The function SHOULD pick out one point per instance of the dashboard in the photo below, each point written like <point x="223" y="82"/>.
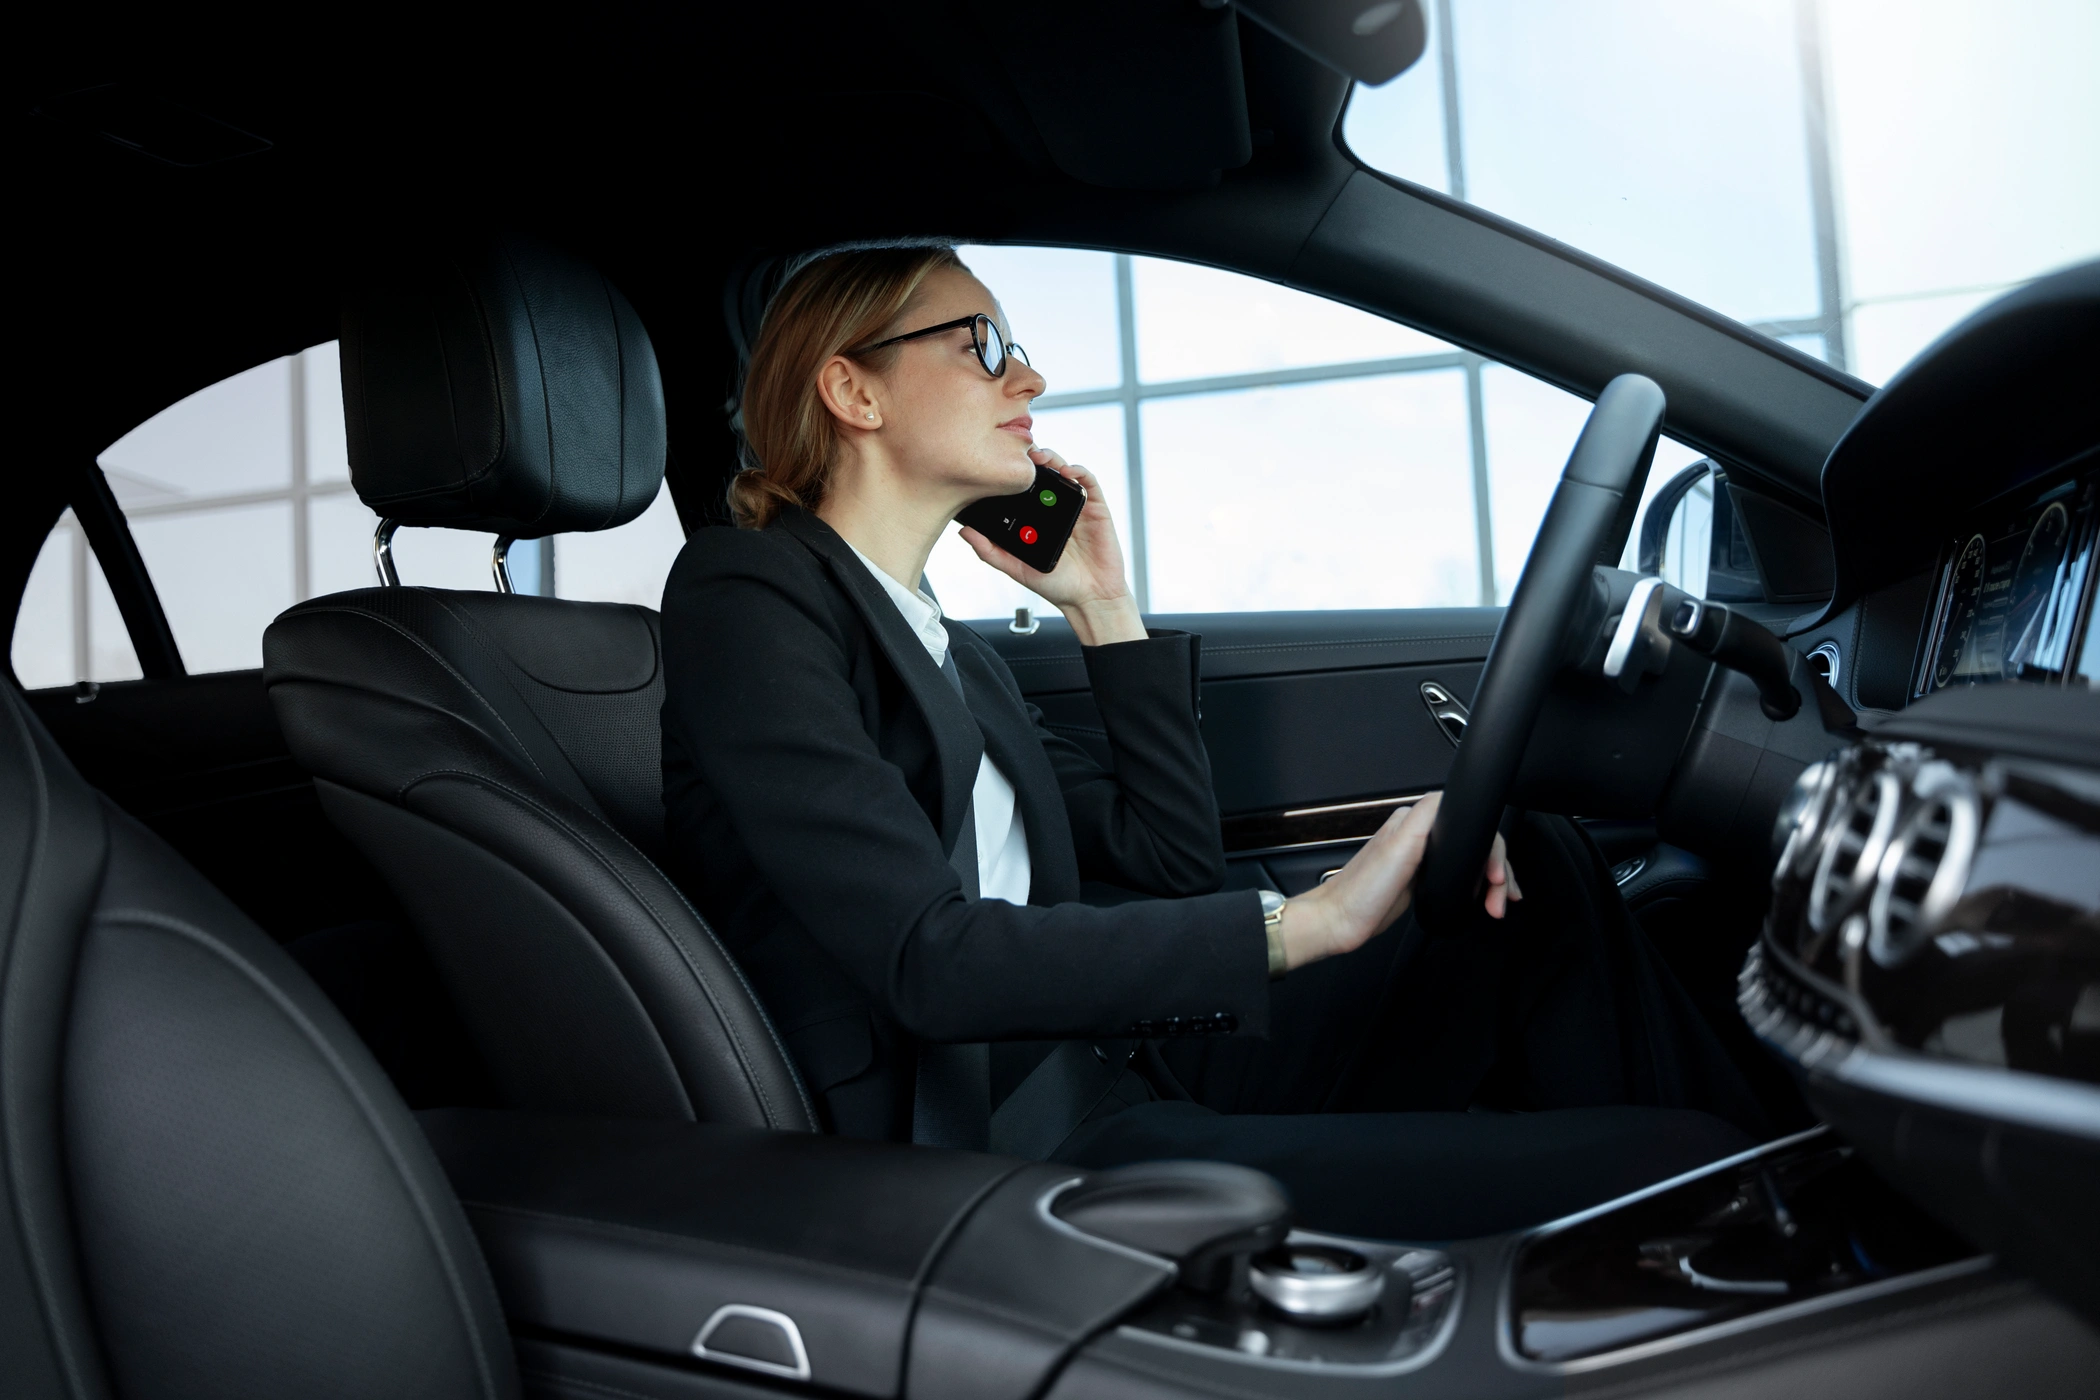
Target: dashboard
<point x="1963" y="507"/>
<point x="2014" y="592"/>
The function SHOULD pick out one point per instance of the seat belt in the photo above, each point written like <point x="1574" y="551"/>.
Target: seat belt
<point x="951" y="1104"/>
<point x="952" y="1091"/>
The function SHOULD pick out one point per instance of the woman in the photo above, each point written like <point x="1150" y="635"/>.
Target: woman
<point x="892" y="843"/>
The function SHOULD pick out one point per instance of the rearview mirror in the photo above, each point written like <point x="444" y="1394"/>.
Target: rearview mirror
<point x="1372" y="41"/>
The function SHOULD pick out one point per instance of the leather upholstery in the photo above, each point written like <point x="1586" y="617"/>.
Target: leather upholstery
<point x="506" y="388"/>
<point x="498" y="757"/>
<point x="212" y="1188"/>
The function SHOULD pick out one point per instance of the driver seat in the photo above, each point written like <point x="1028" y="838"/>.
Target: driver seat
<point x="497" y="756"/>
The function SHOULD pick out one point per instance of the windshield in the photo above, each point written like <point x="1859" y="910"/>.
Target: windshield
<point x="1853" y="176"/>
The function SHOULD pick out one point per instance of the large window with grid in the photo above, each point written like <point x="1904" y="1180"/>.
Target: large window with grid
<point x="1263" y="449"/>
<point x="1853" y="176"/>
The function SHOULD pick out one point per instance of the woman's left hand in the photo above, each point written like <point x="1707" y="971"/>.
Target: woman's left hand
<point x="1088" y="585"/>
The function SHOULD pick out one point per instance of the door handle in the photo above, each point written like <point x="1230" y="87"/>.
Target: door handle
<point x="1450" y="716"/>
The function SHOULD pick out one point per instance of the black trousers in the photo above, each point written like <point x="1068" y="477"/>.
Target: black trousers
<point x="1480" y="1080"/>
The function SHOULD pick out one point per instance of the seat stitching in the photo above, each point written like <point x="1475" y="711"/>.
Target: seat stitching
<point x="285" y="1007"/>
<point x="728" y="1025"/>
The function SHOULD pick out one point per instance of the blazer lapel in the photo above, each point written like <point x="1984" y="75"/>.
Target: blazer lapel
<point x="956" y="736"/>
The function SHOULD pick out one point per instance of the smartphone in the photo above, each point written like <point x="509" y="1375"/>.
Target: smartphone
<point x="1035" y="525"/>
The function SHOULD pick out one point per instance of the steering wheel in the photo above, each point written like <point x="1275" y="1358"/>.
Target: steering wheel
<point x="1591" y="511"/>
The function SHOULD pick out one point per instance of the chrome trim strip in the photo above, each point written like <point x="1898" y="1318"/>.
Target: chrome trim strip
<point x="1407" y="800"/>
<point x="1985" y="1092"/>
<point x="1993" y="1094"/>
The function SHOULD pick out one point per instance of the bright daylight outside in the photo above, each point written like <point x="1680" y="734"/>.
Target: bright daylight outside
<point x="1850" y="176"/>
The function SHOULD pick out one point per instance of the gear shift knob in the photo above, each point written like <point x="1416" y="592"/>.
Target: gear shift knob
<point x="1201" y="1215"/>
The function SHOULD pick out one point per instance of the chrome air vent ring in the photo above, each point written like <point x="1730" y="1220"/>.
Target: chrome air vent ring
<point x="1926" y="864"/>
<point x="1862" y="821"/>
<point x="1804" y="817"/>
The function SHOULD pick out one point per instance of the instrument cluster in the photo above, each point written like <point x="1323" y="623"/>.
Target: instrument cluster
<point x="2014" y="599"/>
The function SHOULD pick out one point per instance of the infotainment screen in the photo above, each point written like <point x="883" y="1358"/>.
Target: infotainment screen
<point x="2012" y="595"/>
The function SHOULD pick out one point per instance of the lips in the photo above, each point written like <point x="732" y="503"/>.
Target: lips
<point x="1020" y="426"/>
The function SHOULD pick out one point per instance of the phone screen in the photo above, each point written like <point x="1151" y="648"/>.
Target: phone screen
<point x="1033" y="525"/>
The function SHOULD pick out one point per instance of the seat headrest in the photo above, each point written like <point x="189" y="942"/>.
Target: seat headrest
<point x="505" y="387"/>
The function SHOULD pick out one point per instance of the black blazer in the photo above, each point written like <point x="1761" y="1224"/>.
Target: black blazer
<point x="817" y="766"/>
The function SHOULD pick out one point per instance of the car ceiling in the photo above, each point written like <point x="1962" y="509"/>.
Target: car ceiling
<point x="687" y="149"/>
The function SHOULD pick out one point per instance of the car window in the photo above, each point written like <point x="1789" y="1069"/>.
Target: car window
<point x="240" y="501"/>
<point x="1853" y="176"/>
<point x="1264" y="449"/>
<point x="69" y="628"/>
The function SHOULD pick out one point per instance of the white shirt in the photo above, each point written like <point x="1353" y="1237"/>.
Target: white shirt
<point x="1003" y="871"/>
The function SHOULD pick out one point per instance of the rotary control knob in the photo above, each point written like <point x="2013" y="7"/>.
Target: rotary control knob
<point x="1316" y="1283"/>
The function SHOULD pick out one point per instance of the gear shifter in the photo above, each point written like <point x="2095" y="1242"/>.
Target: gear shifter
<point x="1205" y="1216"/>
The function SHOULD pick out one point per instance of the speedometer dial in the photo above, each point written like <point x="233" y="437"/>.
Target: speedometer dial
<point x="1964" y="600"/>
<point x="2034" y="586"/>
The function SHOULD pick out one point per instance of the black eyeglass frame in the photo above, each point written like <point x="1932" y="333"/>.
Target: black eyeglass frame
<point x="978" y="342"/>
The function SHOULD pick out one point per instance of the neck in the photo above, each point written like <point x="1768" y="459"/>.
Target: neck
<point x="887" y="516"/>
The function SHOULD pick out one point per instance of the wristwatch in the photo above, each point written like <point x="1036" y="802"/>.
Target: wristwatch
<point x="1272" y="924"/>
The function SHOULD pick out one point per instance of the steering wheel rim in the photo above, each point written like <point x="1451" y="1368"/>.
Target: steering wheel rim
<point x="1592" y="507"/>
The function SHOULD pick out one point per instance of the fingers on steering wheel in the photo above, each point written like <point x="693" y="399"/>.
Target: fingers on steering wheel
<point x="1498" y="890"/>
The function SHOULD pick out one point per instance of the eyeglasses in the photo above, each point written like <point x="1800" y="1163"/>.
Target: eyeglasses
<point x="991" y="347"/>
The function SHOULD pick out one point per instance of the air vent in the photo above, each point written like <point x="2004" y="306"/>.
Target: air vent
<point x="1926" y="865"/>
<point x="1803" y="816"/>
<point x="1853" y="848"/>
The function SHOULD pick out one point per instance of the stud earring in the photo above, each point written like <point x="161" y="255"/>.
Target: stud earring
<point x="871" y="415"/>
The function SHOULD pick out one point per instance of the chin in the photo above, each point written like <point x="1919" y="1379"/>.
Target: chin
<point x="1018" y="478"/>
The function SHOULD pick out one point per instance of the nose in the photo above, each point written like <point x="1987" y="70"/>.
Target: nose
<point x="1025" y="381"/>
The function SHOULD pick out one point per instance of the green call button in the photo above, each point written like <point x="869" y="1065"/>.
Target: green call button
<point x="1047" y="497"/>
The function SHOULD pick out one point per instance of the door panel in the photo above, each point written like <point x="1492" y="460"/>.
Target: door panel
<point x="199" y="759"/>
<point x="1301" y="711"/>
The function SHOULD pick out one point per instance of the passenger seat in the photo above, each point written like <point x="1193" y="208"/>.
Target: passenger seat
<point x="497" y="756"/>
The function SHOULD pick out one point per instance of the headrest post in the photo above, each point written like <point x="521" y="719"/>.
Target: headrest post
<point x="499" y="563"/>
<point x="383" y="553"/>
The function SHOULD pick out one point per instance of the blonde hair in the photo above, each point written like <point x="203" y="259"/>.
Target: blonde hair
<point x="835" y="302"/>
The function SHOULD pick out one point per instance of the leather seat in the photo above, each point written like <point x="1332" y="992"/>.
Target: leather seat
<point x="497" y="756"/>
<point x="211" y="1188"/>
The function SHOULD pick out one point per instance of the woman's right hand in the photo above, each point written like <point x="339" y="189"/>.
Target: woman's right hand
<point x="1365" y="896"/>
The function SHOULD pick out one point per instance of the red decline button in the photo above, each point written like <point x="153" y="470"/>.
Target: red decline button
<point x="1028" y="534"/>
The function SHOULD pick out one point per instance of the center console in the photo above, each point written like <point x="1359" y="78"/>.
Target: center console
<point x="643" y="1259"/>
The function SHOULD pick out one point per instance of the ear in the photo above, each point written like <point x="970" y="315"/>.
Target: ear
<point x="848" y="393"/>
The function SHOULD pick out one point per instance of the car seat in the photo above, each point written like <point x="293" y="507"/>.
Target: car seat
<point x="495" y="755"/>
<point x="211" y="1187"/>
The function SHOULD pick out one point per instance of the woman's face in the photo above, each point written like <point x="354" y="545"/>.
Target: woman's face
<point x="943" y="416"/>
